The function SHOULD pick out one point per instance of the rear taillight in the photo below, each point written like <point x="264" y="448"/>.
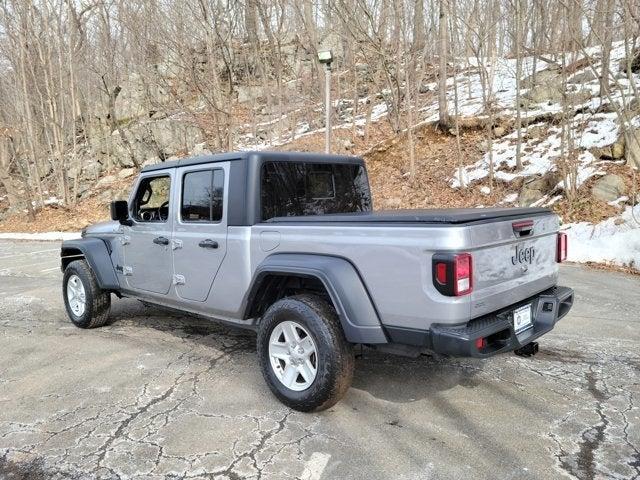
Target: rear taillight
<point x="462" y="274"/>
<point x="453" y="273"/>
<point x="562" y="246"/>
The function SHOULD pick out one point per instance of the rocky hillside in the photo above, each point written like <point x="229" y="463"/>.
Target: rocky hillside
<point x="579" y="150"/>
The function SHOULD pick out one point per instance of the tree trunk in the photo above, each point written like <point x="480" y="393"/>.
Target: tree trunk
<point x="442" y="76"/>
<point x="251" y="22"/>
<point x="419" y="31"/>
<point x="519" y="39"/>
<point x="606" y="48"/>
<point x="5" y="173"/>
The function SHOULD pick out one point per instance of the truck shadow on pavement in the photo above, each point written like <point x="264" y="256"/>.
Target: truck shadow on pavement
<point x="384" y="376"/>
<point x="403" y="380"/>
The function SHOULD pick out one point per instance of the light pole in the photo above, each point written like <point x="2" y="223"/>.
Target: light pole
<point x="326" y="57"/>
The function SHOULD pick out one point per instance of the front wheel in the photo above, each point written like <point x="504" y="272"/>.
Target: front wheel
<point x="305" y="359"/>
<point x="86" y="303"/>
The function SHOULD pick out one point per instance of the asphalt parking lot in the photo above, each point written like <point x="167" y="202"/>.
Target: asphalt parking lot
<point x="161" y="395"/>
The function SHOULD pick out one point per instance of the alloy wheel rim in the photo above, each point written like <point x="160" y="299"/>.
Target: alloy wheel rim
<point x="293" y="355"/>
<point x="76" y="296"/>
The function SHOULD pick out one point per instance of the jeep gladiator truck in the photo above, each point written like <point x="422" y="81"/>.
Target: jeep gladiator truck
<point x="288" y="244"/>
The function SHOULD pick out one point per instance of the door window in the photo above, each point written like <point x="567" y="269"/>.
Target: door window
<point x="202" y="196"/>
<point x="151" y="203"/>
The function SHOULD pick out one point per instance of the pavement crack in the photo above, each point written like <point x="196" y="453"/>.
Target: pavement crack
<point x="250" y="454"/>
<point x="102" y="452"/>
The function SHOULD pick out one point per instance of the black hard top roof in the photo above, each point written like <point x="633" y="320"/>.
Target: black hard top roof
<point x="261" y="155"/>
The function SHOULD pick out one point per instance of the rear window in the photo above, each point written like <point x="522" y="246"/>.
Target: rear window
<point x="294" y="189"/>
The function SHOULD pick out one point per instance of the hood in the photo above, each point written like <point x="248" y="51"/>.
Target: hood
<point x="110" y="227"/>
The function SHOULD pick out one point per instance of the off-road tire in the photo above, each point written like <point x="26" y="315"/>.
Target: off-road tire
<point x="98" y="302"/>
<point x="335" y="357"/>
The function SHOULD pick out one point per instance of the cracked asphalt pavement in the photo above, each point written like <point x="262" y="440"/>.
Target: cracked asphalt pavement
<point x="158" y="394"/>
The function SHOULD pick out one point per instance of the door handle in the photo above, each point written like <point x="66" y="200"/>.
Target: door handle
<point x="161" y="241"/>
<point x="208" y="243"/>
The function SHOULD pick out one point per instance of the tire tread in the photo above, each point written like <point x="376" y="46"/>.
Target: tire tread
<point x="98" y="300"/>
<point x="334" y="381"/>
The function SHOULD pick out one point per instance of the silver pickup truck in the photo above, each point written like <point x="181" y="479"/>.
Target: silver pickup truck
<point x="288" y="244"/>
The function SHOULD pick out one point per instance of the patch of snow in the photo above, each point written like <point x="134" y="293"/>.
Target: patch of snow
<point x="540" y="202"/>
<point x="485" y="190"/>
<point x="44" y="236"/>
<point x="615" y="240"/>
<point x="512" y="197"/>
<point x="52" y="201"/>
<point x="539" y="155"/>
<point x="553" y="200"/>
<point x="596" y="130"/>
<point x="618" y="201"/>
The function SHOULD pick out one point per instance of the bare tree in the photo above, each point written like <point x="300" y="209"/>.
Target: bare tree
<point x="442" y="75"/>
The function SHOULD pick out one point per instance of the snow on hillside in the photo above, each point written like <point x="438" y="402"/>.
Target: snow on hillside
<point x="615" y="241"/>
<point x="539" y="155"/>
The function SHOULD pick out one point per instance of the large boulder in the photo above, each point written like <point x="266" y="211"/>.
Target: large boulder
<point x="615" y="151"/>
<point x="126" y="173"/>
<point x="609" y="188"/>
<point x="160" y="139"/>
<point x="550" y="77"/>
<point x="585" y="76"/>
<point x="635" y="62"/>
<point x="138" y="98"/>
<point x="249" y="93"/>
<point x="528" y="196"/>
<point x="174" y="136"/>
<point x="547" y="87"/>
<point x="542" y="94"/>
<point x="535" y="188"/>
<point x="110" y="194"/>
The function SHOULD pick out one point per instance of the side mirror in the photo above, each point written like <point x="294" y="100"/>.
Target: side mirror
<point x="120" y="212"/>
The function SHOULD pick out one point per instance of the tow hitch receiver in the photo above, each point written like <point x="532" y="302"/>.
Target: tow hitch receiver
<point x="529" y="350"/>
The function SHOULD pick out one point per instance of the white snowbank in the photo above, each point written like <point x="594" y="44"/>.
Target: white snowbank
<point x="45" y="236"/>
<point x="615" y="240"/>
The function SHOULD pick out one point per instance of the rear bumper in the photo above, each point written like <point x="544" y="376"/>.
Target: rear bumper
<point x="497" y="328"/>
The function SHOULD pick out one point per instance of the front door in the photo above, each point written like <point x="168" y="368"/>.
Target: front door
<point x="200" y="229"/>
<point x="147" y="243"/>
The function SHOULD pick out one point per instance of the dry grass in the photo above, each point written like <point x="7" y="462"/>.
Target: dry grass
<point x="59" y="219"/>
<point x="67" y="219"/>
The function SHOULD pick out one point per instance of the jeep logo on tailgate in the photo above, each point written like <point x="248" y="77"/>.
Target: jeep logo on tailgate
<point x="523" y="255"/>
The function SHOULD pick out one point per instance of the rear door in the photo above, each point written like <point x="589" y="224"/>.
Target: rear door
<point x="200" y="229"/>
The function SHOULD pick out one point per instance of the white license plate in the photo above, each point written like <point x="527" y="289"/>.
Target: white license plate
<point x="522" y="318"/>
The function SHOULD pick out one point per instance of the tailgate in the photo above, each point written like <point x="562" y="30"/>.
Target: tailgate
<point x="512" y="260"/>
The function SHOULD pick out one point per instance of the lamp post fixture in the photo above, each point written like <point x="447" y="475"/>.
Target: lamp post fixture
<point x="325" y="57"/>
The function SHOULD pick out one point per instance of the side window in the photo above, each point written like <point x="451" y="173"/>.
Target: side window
<point x="202" y="196"/>
<point x="151" y="203"/>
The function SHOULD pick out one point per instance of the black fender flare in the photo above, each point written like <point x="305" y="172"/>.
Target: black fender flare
<point x="350" y="297"/>
<point x="97" y="254"/>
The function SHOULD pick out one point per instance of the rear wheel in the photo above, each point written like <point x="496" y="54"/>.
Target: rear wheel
<point x="86" y="303"/>
<point x="305" y="359"/>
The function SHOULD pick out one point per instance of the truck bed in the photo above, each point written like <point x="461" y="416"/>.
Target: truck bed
<point x="447" y="216"/>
